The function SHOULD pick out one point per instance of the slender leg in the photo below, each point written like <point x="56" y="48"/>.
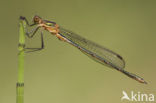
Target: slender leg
<point x="23" y="18"/>
<point x="36" y="49"/>
<point x="32" y="32"/>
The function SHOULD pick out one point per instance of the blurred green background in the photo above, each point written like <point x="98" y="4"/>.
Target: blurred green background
<point x="62" y="74"/>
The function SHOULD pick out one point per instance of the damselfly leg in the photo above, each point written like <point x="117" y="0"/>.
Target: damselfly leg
<point x="27" y="50"/>
<point x="31" y="34"/>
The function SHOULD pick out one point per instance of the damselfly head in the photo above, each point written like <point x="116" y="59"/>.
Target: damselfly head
<point x="37" y="19"/>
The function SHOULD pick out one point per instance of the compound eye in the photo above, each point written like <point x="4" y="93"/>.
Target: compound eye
<point x="36" y="19"/>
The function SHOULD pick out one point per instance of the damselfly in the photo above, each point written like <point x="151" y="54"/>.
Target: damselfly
<point x="91" y="49"/>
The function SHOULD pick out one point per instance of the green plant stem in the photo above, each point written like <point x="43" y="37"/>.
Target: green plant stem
<point x="20" y="81"/>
